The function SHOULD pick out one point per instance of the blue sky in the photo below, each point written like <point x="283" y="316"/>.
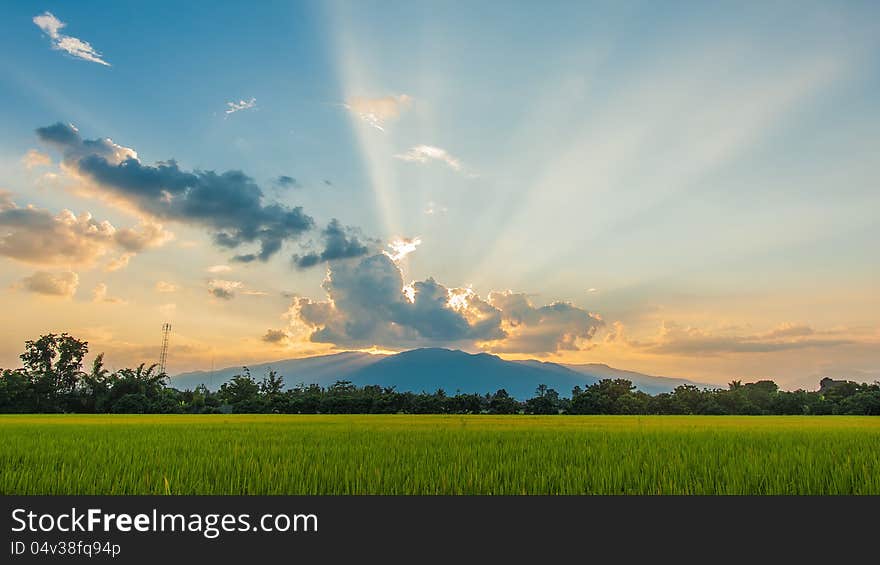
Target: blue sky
<point x="695" y="182"/>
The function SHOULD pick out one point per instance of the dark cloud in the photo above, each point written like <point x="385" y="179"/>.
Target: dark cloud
<point x="339" y="243"/>
<point x="228" y="203"/>
<point x="368" y="306"/>
<point x="223" y="289"/>
<point x="59" y="134"/>
<point x="534" y="329"/>
<point x="275" y="336"/>
<point x="222" y="293"/>
<point x="285" y="181"/>
<point x="246" y="258"/>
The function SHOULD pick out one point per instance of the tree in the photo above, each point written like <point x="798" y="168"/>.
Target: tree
<point x="54" y="365"/>
<point x="16" y="392"/>
<point x="242" y="393"/>
<point x="603" y="397"/>
<point x="95" y="386"/>
<point x="502" y="403"/>
<point x="272" y="390"/>
<point x="546" y="401"/>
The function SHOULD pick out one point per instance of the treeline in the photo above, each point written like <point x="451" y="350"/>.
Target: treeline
<point x="52" y="380"/>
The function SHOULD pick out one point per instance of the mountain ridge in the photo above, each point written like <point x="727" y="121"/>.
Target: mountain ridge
<point x="429" y="369"/>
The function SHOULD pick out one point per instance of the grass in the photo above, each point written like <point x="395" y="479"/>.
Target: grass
<point x="398" y="454"/>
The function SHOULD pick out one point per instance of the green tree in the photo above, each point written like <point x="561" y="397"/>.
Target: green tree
<point x="545" y="401"/>
<point x="502" y="403"/>
<point x="242" y="393"/>
<point x="54" y="365"/>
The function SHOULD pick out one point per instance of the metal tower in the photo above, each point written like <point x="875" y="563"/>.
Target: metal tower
<point x="163" y="356"/>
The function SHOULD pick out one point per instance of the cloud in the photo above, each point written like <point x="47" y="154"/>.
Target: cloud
<point x="432" y="208"/>
<point x="375" y="112"/>
<point x="252" y="292"/>
<point x="219" y="269"/>
<point x="339" y="243"/>
<point x="556" y="327"/>
<point x="34" y="235"/>
<point x="229" y="204"/>
<point x="119" y="262"/>
<point x="34" y="158"/>
<point x="427" y="153"/>
<point x="401" y="247"/>
<point x="223" y="289"/>
<point x="99" y="294"/>
<point x="233" y="107"/>
<point x="675" y="339"/>
<point x="227" y="290"/>
<point x="78" y="48"/>
<point x="788" y="330"/>
<point x="279" y="337"/>
<point x="62" y="284"/>
<point x="285" y="181"/>
<point x="368" y="304"/>
<point x="165" y="287"/>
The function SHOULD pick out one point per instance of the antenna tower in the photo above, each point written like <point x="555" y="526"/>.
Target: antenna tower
<point x="163" y="356"/>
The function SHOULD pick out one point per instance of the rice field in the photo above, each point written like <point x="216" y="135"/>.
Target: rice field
<point x="279" y="454"/>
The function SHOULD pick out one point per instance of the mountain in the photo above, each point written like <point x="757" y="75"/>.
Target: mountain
<point x="428" y="369"/>
<point x="323" y="370"/>
<point x="646" y="383"/>
<point x="456" y="371"/>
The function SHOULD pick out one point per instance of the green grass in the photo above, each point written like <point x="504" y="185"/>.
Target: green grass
<point x="439" y="455"/>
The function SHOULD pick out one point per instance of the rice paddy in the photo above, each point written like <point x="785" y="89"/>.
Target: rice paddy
<point x="280" y="454"/>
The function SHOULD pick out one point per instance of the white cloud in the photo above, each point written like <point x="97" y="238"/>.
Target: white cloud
<point x="691" y="341"/>
<point x="251" y="292"/>
<point x="78" y="48"/>
<point x="34" y="235"/>
<point x="233" y="107"/>
<point x="63" y="284"/>
<point x="164" y="286"/>
<point x="433" y="208"/>
<point x="219" y="269"/>
<point x="427" y="153"/>
<point x="401" y="247"/>
<point x="375" y="112"/>
<point x="34" y="158"/>
<point x="223" y="289"/>
<point x="119" y="262"/>
<point x="99" y="294"/>
<point x="226" y="289"/>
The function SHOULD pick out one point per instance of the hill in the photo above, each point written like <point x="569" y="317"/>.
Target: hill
<point x="323" y="370"/>
<point x="456" y="371"/>
<point x="428" y="369"/>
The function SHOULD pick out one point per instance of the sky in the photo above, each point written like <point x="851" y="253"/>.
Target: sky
<point x="686" y="189"/>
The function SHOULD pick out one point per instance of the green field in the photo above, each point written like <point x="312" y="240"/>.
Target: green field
<point x="398" y="454"/>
